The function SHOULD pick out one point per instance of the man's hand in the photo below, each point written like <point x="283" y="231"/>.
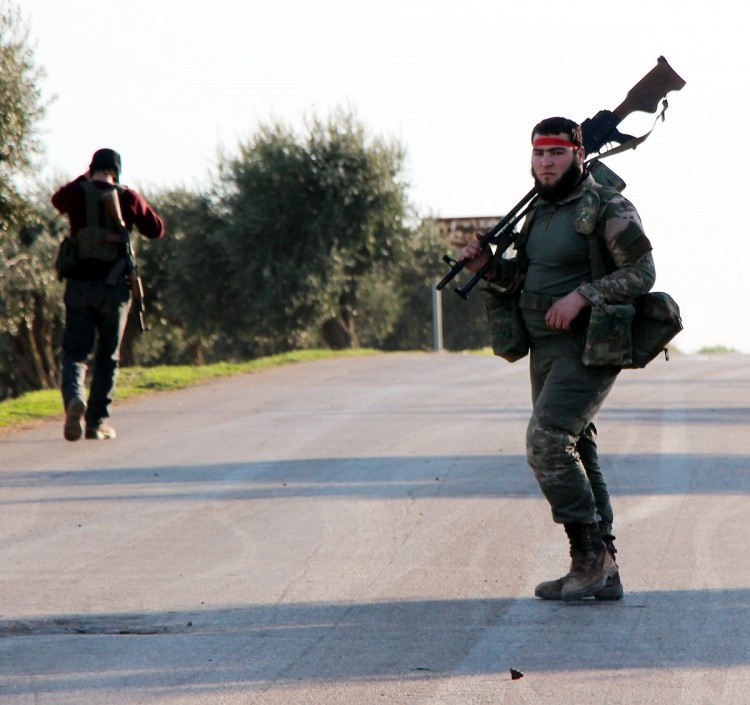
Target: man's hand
<point x="565" y="310"/>
<point x="474" y="255"/>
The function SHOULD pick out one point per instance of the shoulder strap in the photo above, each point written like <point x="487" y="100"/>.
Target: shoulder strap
<point x="598" y="270"/>
<point x="589" y="222"/>
<point x="93" y="212"/>
<point x="520" y="244"/>
<point x="96" y="215"/>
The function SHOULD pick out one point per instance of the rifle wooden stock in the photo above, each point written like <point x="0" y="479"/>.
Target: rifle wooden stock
<point x="644" y="96"/>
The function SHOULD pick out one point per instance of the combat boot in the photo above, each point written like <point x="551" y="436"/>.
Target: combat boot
<point x="612" y="590"/>
<point x="552" y="589"/>
<point x="592" y="563"/>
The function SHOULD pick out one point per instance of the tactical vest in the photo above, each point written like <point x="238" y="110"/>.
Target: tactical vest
<point x="92" y="239"/>
<point x="619" y="335"/>
<point x="589" y="221"/>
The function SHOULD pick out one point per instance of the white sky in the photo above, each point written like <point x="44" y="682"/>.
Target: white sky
<point x="168" y="83"/>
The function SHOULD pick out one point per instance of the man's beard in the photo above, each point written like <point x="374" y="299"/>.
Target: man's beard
<point x="562" y="187"/>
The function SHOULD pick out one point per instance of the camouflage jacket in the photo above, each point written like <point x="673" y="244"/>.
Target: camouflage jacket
<point x="625" y="267"/>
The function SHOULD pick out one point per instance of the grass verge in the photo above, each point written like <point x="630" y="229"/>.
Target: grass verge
<point x="137" y="381"/>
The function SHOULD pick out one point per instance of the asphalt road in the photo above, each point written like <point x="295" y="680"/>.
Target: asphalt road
<point x="366" y="530"/>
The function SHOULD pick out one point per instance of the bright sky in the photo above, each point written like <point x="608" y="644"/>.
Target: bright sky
<point x="460" y="84"/>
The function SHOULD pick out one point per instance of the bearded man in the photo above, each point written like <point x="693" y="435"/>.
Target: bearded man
<point x="554" y="275"/>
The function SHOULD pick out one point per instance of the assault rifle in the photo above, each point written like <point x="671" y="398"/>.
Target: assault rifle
<point x="597" y="132"/>
<point x="112" y="203"/>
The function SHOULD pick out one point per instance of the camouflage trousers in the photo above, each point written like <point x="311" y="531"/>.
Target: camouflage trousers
<point x="561" y="436"/>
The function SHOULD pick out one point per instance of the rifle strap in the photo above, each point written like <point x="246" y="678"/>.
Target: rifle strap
<point x="598" y="270"/>
<point x="635" y="141"/>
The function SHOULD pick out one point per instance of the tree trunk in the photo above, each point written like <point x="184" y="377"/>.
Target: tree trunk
<point x="337" y="335"/>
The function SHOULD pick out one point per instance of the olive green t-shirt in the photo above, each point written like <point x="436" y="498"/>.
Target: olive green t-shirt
<point x="558" y="260"/>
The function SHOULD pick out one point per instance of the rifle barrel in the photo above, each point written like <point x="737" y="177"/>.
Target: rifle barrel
<point x="491" y="236"/>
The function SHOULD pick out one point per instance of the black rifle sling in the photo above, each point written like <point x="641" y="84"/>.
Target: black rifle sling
<point x="635" y="141"/>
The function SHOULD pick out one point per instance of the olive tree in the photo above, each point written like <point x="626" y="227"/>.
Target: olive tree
<point x="30" y="310"/>
<point x="295" y="225"/>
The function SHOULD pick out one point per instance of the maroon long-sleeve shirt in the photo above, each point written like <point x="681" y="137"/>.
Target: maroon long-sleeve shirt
<point x="70" y="200"/>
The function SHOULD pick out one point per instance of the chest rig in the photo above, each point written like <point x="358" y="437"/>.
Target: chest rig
<point x="94" y="239"/>
<point x="588" y="220"/>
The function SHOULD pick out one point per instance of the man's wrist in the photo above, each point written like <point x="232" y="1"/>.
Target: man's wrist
<point x="591" y="294"/>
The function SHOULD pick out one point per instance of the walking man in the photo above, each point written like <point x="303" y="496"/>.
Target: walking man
<point x="97" y="292"/>
<point x="552" y="274"/>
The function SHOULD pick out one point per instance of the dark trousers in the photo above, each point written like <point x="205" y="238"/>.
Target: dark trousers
<point x="95" y="315"/>
<point x="561" y="436"/>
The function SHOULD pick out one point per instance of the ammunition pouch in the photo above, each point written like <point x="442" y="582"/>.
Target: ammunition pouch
<point x="630" y="336"/>
<point x="67" y="258"/>
<point x="93" y="244"/>
<point x="657" y="320"/>
<point x="508" y="335"/>
<point x="609" y="336"/>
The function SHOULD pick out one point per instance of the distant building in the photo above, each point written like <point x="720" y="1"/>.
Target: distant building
<point x="458" y="231"/>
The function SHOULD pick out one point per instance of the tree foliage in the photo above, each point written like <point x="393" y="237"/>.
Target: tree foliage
<point x="296" y="225"/>
<point x="305" y="241"/>
<point x="30" y="312"/>
<point x="302" y="240"/>
<point x="323" y="213"/>
<point x="21" y="108"/>
<point x="183" y="277"/>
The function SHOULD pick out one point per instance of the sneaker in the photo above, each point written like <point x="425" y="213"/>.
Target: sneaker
<point x="101" y="432"/>
<point x="73" y="429"/>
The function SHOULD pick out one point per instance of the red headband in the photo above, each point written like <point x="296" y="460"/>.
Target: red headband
<point x="553" y="142"/>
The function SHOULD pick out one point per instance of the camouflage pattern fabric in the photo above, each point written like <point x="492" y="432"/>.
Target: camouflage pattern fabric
<point x="508" y="335"/>
<point x="628" y="250"/>
<point x="609" y="336"/>
<point x="561" y="433"/>
<point x="657" y="321"/>
<point x="553" y="258"/>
